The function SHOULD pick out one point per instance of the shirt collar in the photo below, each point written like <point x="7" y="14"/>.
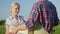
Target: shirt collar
<point x="12" y="17"/>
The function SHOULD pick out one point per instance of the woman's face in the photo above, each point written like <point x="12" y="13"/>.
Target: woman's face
<point x="15" y="9"/>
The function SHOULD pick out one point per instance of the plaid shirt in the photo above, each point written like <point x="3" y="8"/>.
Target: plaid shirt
<point x="45" y="13"/>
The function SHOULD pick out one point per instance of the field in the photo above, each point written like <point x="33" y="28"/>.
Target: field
<point x="2" y="29"/>
<point x="56" y="29"/>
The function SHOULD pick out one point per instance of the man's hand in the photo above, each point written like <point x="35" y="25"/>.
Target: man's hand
<point x="22" y="27"/>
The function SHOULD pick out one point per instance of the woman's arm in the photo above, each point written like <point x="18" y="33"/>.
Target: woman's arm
<point x="7" y="29"/>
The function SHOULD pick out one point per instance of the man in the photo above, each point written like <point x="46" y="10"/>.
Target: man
<point x="44" y="12"/>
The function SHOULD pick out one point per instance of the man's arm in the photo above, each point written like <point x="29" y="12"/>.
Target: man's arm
<point x="33" y="17"/>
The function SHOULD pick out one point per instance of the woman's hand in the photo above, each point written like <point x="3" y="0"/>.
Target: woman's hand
<point x="14" y="27"/>
<point x="15" y="23"/>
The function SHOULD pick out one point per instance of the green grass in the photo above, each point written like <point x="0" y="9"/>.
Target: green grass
<point x="2" y="29"/>
<point x="57" y="29"/>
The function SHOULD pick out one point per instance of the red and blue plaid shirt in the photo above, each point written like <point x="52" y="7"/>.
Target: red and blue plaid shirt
<point x="44" y="12"/>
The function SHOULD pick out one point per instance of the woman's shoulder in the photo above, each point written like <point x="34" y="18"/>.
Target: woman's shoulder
<point x="9" y="18"/>
<point x="8" y="21"/>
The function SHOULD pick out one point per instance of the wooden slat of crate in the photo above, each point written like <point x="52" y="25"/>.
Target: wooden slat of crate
<point x="22" y="32"/>
<point x="30" y="31"/>
<point x="41" y="31"/>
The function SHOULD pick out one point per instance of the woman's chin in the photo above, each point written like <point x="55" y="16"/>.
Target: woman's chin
<point x="16" y="13"/>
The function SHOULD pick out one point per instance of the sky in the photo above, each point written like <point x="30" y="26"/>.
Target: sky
<point x="25" y="9"/>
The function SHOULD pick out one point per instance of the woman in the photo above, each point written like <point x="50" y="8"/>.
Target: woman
<point x="14" y="22"/>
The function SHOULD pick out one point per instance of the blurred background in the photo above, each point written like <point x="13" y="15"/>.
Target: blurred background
<point x="25" y="9"/>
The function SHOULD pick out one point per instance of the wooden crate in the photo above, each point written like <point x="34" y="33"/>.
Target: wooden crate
<point x="25" y="32"/>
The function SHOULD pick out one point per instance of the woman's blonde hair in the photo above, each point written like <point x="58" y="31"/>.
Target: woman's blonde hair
<point x="13" y="4"/>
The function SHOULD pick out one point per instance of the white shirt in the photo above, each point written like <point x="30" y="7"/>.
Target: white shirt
<point x="10" y="19"/>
